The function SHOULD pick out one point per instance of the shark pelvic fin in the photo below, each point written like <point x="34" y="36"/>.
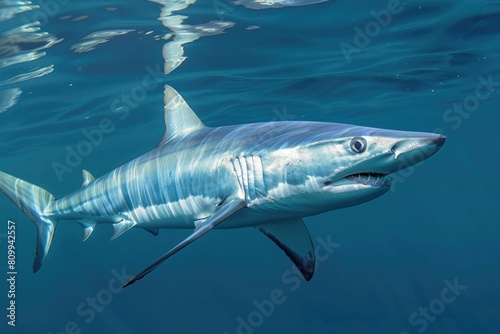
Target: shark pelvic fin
<point x="293" y="238"/>
<point x="122" y="227"/>
<point x="225" y="210"/>
<point x="88" y="228"/>
<point x="87" y="178"/>
<point x="179" y="117"/>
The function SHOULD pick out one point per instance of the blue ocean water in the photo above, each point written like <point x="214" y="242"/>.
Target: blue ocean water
<point x="423" y="258"/>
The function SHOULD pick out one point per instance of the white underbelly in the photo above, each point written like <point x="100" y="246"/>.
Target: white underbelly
<point x="177" y="214"/>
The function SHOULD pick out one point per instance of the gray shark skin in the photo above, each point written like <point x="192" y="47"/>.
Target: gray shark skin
<point x="262" y="175"/>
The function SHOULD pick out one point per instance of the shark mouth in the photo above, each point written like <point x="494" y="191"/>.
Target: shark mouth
<point x="370" y="179"/>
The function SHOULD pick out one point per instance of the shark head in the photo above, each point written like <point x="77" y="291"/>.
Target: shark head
<point x="303" y="168"/>
<point x="364" y="160"/>
<point x="331" y="166"/>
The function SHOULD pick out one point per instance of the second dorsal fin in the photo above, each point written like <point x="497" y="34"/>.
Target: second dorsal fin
<point x="179" y="117"/>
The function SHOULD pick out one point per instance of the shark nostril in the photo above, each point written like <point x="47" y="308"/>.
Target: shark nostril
<point x="394" y="150"/>
<point x="395" y="147"/>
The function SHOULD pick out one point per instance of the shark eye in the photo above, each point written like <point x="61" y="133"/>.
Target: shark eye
<point x="358" y="145"/>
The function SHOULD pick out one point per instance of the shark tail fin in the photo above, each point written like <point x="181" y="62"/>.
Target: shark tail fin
<point x="33" y="201"/>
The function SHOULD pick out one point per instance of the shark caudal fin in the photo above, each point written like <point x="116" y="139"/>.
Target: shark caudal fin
<point x="32" y="200"/>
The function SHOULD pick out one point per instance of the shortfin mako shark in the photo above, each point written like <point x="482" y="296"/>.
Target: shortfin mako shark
<point x="262" y="175"/>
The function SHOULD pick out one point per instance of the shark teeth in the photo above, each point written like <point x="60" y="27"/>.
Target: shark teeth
<point x="370" y="179"/>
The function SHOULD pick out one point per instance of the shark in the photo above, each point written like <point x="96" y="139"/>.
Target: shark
<point x="267" y="176"/>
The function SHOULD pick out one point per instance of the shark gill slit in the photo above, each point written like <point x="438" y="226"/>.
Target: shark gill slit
<point x="249" y="171"/>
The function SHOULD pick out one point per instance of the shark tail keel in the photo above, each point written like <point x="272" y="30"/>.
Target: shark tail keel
<point x="33" y="201"/>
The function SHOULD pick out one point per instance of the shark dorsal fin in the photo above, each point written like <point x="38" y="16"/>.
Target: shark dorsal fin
<point x="87" y="178"/>
<point x="179" y="117"/>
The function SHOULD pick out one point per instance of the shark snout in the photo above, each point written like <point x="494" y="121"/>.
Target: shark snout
<point x="413" y="150"/>
<point x="439" y="141"/>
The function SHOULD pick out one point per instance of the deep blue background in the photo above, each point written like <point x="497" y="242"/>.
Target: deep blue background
<point x="440" y="222"/>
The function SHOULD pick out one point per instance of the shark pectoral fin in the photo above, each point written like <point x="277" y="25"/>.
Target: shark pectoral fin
<point x="88" y="228"/>
<point x="87" y="178"/>
<point x="122" y="227"/>
<point x="293" y="237"/>
<point x="178" y="116"/>
<point x="153" y="231"/>
<point x="226" y="210"/>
